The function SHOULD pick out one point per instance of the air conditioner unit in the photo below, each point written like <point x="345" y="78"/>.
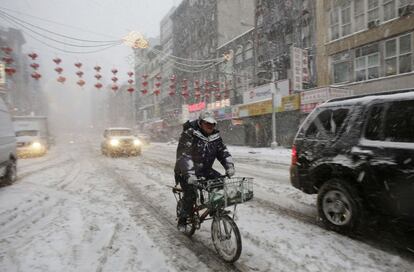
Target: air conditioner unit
<point x="405" y="10"/>
<point x="373" y="23"/>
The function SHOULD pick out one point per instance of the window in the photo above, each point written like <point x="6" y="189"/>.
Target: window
<point x="359" y="14"/>
<point x="373" y="10"/>
<point x="249" y="51"/>
<point x="399" y="122"/>
<point x="328" y="123"/>
<point x="341" y="67"/>
<point x="389" y="9"/>
<point x="346" y="19"/>
<point x="334" y="23"/>
<point x="373" y="128"/>
<point x="398" y="55"/>
<point x="367" y="62"/>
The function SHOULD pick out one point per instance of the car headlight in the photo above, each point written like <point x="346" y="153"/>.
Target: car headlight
<point x="114" y="142"/>
<point x="36" y="145"/>
<point x="137" y="142"/>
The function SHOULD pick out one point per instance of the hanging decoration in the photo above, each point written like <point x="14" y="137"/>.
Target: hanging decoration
<point x="184" y="87"/>
<point x="97" y="68"/>
<point x="98" y="76"/>
<point x="130" y="82"/>
<point x="61" y="79"/>
<point x="81" y="82"/>
<point x="197" y="92"/>
<point x="78" y="65"/>
<point x="35" y="66"/>
<point x="36" y="75"/>
<point x="79" y="73"/>
<point x="8" y="60"/>
<point x="57" y="61"/>
<point x="98" y="85"/>
<point x="157" y="84"/>
<point x="144" y="84"/>
<point x="114" y="71"/>
<point x="114" y="79"/>
<point x="59" y="70"/>
<point x="33" y="56"/>
<point x="172" y="85"/>
<point x="114" y="87"/>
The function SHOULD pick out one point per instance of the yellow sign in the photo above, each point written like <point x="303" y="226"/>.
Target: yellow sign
<point x="255" y="109"/>
<point x="290" y="102"/>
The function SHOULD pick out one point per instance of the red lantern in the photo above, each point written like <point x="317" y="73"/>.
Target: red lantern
<point x="114" y="71"/>
<point x="81" y="82"/>
<point x="145" y="83"/>
<point x="130" y="90"/>
<point x="144" y="91"/>
<point x="78" y="64"/>
<point x="158" y="84"/>
<point x="130" y="81"/>
<point x="34" y="66"/>
<point x="98" y="76"/>
<point x="57" y="60"/>
<point x="36" y="75"/>
<point x="6" y="49"/>
<point x="7" y="60"/>
<point x="10" y="71"/>
<point x="33" y="56"/>
<point x="61" y="79"/>
<point x="144" y="76"/>
<point x="114" y="79"/>
<point x="114" y="87"/>
<point x="157" y="92"/>
<point x="171" y="93"/>
<point x="98" y="85"/>
<point x="79" y="73"/>
<point x="97" y="68"/>
<point x="59" y="70"/>
<point x="130" y="74"/>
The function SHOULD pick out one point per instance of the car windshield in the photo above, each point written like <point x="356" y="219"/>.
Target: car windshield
<point x="27" y="133"/>
<point x="120" y="132"/>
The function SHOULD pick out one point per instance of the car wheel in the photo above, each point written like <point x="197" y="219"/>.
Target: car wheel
<point x="11" y="173"/>
<point x="339" y="206"/>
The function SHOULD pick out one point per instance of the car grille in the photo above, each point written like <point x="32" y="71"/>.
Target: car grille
<point x="20" y="144"/>
<point x="127" y="141"/>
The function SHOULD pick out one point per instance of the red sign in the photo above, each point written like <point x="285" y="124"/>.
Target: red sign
<point x="196" y="107"/>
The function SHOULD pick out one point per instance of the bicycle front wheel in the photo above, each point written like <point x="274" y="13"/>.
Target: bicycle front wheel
<point x="226" y="238"/>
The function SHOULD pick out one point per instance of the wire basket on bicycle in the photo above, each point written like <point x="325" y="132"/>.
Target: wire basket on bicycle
<point x="225" y="192"/>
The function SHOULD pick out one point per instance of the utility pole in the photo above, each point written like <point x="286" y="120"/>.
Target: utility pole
<point x="274" y="89"/>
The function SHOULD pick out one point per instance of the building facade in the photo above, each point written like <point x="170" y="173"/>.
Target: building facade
<point x="368" y="44"/>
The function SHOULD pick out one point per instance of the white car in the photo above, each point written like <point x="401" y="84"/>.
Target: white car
<point x="120" y="141"/>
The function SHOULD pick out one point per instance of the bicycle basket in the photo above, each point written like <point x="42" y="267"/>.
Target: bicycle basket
<point x="231" y="191"/>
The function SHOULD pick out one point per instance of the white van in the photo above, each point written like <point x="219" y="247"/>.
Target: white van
<point x="8" y="156"/>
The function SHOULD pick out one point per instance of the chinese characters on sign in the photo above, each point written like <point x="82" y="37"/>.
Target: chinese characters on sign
<point x="299" y="68"/>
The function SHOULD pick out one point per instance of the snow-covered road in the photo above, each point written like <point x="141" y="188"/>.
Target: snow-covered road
<point x="77" y="210"/>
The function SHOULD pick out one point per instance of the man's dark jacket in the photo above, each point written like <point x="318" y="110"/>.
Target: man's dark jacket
<point x="196" y="151"/>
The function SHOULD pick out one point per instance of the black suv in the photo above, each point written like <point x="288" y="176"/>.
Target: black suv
<point x="357" y="154"/>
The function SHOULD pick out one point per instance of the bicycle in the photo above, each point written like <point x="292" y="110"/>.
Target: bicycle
<point x="213" y="196"/>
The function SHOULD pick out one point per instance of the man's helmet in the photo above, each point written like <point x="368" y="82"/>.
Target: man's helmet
<point x="207" y="116"/>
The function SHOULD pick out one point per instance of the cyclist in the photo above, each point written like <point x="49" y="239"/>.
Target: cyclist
<point x="199" y="145"/>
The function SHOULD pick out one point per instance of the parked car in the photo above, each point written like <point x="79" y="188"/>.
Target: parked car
<point x="8" y="156"/>
<point x="357" y="154"/>
<point x="118" y="141"/>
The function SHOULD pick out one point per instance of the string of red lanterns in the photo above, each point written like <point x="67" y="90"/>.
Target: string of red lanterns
<point x="9" y="60"/>
<point x="35" y="66"/>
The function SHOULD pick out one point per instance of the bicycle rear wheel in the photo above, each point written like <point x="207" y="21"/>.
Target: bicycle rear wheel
<point x="226" y="238"/>
<point x="190" y="226"/>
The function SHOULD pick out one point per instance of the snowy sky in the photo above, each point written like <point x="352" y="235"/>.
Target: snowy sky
<point x="88" y="19"/>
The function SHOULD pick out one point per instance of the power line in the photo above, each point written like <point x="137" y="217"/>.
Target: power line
<point x="6" y="17"/>
<point x="57" y="23"/>
<point x="66" y="51"/>
<point x="49" y="31"/>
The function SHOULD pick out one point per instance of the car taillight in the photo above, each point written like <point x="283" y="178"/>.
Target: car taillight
<point x="294" y="155"/>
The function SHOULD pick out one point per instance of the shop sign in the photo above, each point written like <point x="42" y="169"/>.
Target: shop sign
<point x="290" y="102"/>
<point x="260" y="93"/>
<point x="260" y="108"/>
<point x="235" y="111"/>
<point x="311" y="98"/>
<point x="223" y="113"/>
<point x="197" y="107"/>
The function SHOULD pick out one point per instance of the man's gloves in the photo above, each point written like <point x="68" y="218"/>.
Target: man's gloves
<point x="230" y="171"/>
<point x="192" y="179"/>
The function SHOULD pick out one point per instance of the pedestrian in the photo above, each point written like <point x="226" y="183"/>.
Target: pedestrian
<point x="200" y="144"/>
